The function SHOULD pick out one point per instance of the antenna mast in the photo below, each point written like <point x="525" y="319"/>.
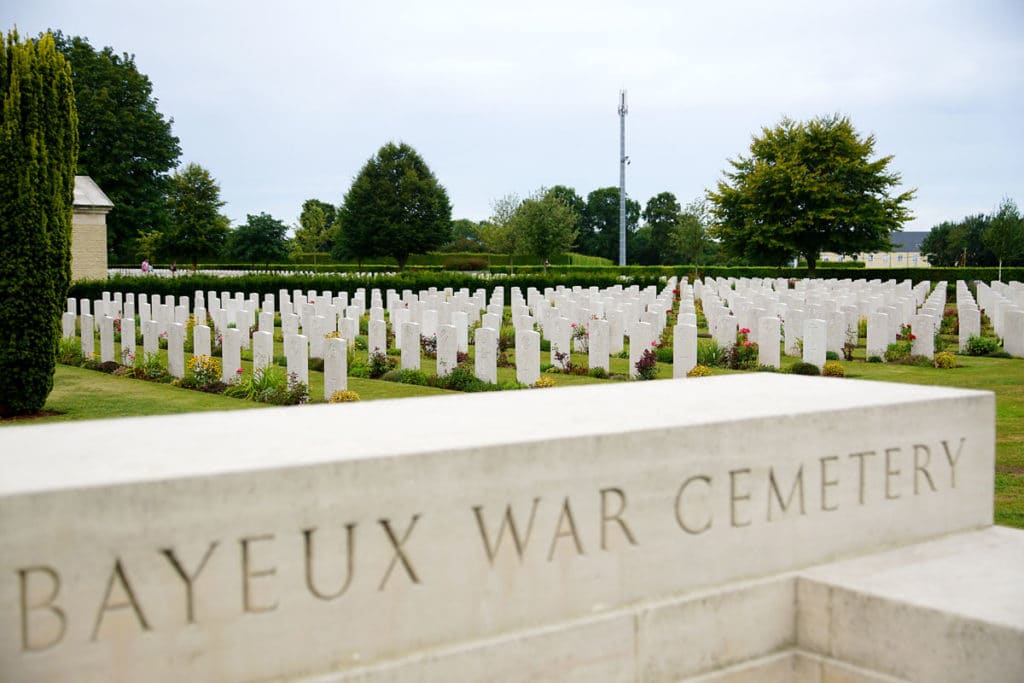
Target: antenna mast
<point x="623" y="160"/>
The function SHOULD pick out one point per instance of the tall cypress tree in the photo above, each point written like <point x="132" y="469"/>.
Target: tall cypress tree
<point x="38" y="153"/>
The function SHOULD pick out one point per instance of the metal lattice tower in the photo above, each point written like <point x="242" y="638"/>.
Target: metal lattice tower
<point x="623" y="160"/>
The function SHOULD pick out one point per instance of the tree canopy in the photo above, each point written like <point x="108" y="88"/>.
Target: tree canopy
<point x="959" y="243"/>
<point x="1005" y="233"/>
<point x="599" y="232"/>
<point x="661" y="214"/>
<point x="261" y="239"/>
<point x="197" y="226"/>
<point x="38" y="149"/>
<point x="317" y="230"/>
<point x="126" y="144"/>
<point x="395" y="207"/>
<point x="544" y="226"/>
<point x="806" y="188"/>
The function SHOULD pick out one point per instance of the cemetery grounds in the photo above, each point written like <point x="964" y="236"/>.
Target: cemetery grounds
<point x="81" y="393"/>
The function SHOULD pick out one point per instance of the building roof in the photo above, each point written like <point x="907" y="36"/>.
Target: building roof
<point x="907" y="241"/>
<point x="88" y="194"/>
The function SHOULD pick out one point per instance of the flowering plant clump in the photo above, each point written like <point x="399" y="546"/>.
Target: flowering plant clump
<point x="945" y="360"/>
<point x="343" y="396"/>
<point x="906" y="334"/>
<point x="833" y="368"/>
<point x="429" y="346"/>
<point x="380" y="364"/>
<point x="204" y="370"/>
<point x="647" y="366"/>
<point x="742" y="355"/>
<point x="581" y="337"/>
<point x="544" y="383"/>
<point x="699" y="371"/>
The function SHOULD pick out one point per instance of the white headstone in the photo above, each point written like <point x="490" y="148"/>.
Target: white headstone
<point x="378" y="337"/>
<point x="527" y="357"/>
<point x="335" y="365"/>
<point x="878" y="335"/>
<point x="598" y="351"/>
<point x="447" y="350"/>
<point x="262" y="350"/>
<point x="127" y="341"/>
<point x="814" y="342"/>
<point x="768" y="342"/>
<point x="231" y="355"/>
<point x="296" y="352"/>
<point x="922" y="328"/>
<point x="106" y="339"/>
<point x="176" y="350"/>
<point x="684" y="349"/>
<point x="201" y="341"/>
<point x="67" y="324"/>
<point x="486" y="350"/>
<point x="88" y="335"/>
<point x="410" y="333"/>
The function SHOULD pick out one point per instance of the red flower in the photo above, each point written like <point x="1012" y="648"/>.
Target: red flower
<point x="239" y="371"/>
<point x="747" y="344"/>
<point x="913" y="337"/>
<point x="744" y="330"/>
<point x="654" y="343"/>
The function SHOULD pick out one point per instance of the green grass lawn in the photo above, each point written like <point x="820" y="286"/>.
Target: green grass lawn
<point x="81" y="394"/>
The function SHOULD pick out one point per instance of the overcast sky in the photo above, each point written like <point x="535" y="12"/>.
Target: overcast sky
<point x="286" y="101"/>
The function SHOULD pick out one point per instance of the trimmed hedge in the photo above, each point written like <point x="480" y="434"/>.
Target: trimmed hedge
<point x="186" y="285"/>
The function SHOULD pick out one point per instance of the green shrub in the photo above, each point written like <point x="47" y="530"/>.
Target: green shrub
<point x="831" y="355"/>
<point x="898" y="351"/>
<point x="544" y="382"/>
<point x="69" y="351"/>
<point x="463" y="379"/>
<point x="664" y="353"/>
<point x="945" y="360"/>
<point x="981" y="346"/>
<point x="598" y="373"/>
<point x="708" y="353"/>
<point x="802" y="368"/>
<point x="874" y="359"/>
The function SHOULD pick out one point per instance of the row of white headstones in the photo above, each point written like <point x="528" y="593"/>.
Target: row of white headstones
<point x="816" y="316"/>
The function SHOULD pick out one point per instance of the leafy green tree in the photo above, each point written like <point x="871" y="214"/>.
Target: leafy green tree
<point x="959" y="243"/>
<point x="496" y="232"/>
<point x="465" y="236"/>
<point x="599" y="233"/>
<point x="148" y="244"/>
<point x="1005" y="234"/>
<point x="395" y="207"/>
<point x="197" y="226"/>
<point x="317" y="230"/>
<point x="126" y="144"/>
<point x="807" y="188"/>
<point x="38" y="149"/>
<point x="544" y="226"/>
<point x="689" y="236"/>
<point x="662" y="214"/>
<point x="261" y="239"/>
